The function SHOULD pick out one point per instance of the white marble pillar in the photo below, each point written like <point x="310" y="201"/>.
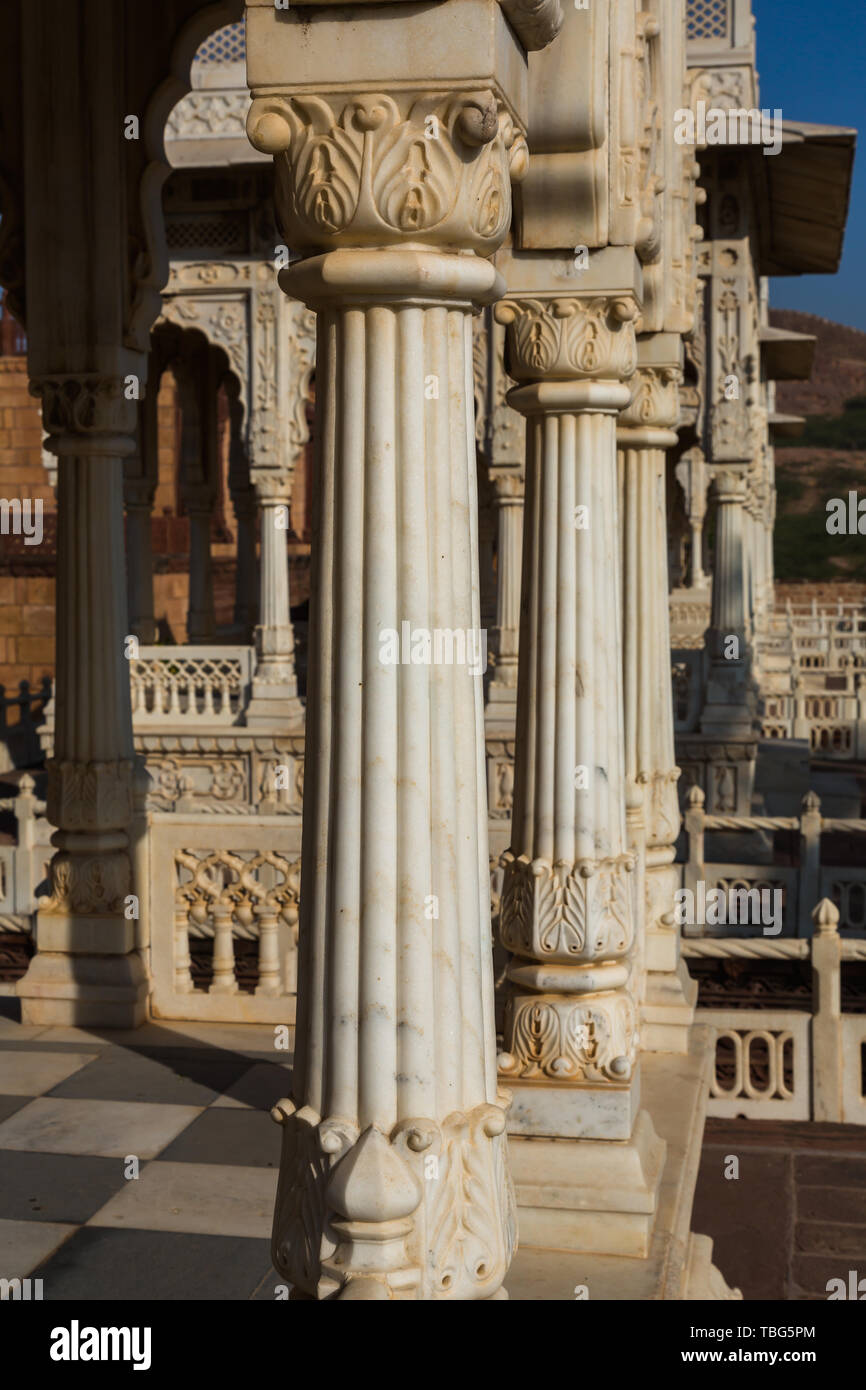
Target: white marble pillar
<point x="393" y="1177"/>
<point x="508" y="485"/>
<point x="275" y="685"/>
<point x="729" y="723"/>
<point x="568" y="900"/>
<point x="86" y="970"/>
<point x="646" y="430"/>
<point x="727" y="637"/>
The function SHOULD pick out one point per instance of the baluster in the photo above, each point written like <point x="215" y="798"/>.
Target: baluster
<point x="269" y="955"/>
<point x="224" y="981"/>
<point x="208" y="679"/>
<point x="173" y="695"/>
<point x="182" y="972"/>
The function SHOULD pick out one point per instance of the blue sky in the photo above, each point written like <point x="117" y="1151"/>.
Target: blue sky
<point x="810" y="62"/>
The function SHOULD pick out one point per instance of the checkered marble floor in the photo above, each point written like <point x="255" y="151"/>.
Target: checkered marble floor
<point x="190" y="1102"/>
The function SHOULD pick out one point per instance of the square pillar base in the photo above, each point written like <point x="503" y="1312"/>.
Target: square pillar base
<point x="500" y="711"/>
<point x="566" y="1110"/>
<point x="594" y="1196"/>
<point x="668" y="1010"/>
<point x="84" y="991"/>
<point x="272" y="705"/>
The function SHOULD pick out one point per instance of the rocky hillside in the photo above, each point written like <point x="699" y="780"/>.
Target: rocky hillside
<point x="829" y="459"/>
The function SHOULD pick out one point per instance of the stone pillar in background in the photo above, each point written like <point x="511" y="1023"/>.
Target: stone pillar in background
<point x="393" y="1176"/>
<point x="646" y="429"/>
<point x="197" y="483"/>
<point x="729" y="704"/>
<point x="568" y="899"/>
<point x="691" y="474"/>
<point x="83" y="358"/>
<point x="86" y="970"/>
<point x="244" y="504"/>
<point x="508" y="510"/>
<point x="502" y="442"/>
<point x="283" y="353"/>
<point x="275" y="685"/>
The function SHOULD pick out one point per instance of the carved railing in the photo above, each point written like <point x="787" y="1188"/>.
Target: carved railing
<point x="223" y="916"/>
<point x="789" y="1064"/>
<point x="209" y="685"/>
<point x="800" y="883"/>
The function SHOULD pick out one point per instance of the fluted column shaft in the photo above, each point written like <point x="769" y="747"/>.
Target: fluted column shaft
<point x="275" y="685"/>
<point x="393" y="1180"/>
<point x="509" y="513"/>
<point x="728" y="613"/>
<point x="646" y="431"/>
<point x="567" y="906"/>
<point x="86" y="969"/>
<point x="729" y="704"/>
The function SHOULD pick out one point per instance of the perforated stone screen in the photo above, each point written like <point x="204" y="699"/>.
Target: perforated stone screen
<point x="227" y="45"/>
<point x="707" y="19"/>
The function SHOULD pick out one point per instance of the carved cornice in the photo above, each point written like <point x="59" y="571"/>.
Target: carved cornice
<point x="568" y="339"/>
<point x="372" y="170"/>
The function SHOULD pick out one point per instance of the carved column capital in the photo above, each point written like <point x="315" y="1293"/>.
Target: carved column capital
<point x="729" y="486"/>
<point x="368" y="169"/>
<point x="570" y="338"/>
<point x="655" y="400"/>
<point x="198" y="498"/>
<point x="272" y="489"/>
<point x="138" y="494"/>
<point x="86" y="404"/>
<point x="508" y="485"/>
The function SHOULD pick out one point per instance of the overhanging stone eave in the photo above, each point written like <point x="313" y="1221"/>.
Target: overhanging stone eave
<point x="785" y="354"/>
<point x="786" y="426"/>
<point x="804" y="193"/>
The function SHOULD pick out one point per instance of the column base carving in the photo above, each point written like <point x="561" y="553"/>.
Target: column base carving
<point x="594" y="1197"/>
<point x="571" y="1024"/>
<point x="425" y="1213"/>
